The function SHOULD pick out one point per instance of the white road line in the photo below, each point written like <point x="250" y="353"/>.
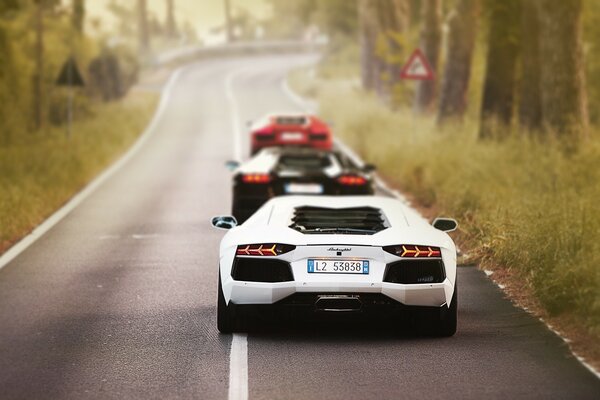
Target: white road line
<point x="55" y="218"/>
<point x="296" y="98"/>
<point x="238" y="354"/>
<point x="238" y="367"/>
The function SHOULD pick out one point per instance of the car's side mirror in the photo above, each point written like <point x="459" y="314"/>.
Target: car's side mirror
<point x="369" y="168"/>
<point x="232" y="164"/>
<point x="445" y="224"/>
<point x="224" y="222"/>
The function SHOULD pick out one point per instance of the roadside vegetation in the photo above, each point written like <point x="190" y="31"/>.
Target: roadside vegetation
<point x="42" y="162"/>
<point x="510" y="146"/>
<point x="40" y="171"/>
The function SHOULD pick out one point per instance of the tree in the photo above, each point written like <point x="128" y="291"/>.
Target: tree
<point x="78" y="15"/>
<point x="228" y="22"/>
<point x="563" y="95"/>
<point x="501" y="67"/>
<point x="338" y="17"/>
<point x="9" y="6"/>
<point x="431" y="34"/>
<point x="530" y="106"/>
<point x="382" y="24"/>
<point x="171" y="25"/>
<point x="38" y="78"/>
<point x="457" y="71"/>
<point x="143" y="29"/>
<point x="368" y="35"/>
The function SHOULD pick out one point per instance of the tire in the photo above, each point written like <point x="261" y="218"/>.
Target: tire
<point x="439" y="322"/>
<point x="225" y="313"/>
<point x="446" y="324"/>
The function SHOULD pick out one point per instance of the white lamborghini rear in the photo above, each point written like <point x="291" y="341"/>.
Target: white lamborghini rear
<point x="337" y="254"/>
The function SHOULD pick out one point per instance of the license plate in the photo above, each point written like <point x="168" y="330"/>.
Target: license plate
<point x="325" y="266"/>
<point x="292" y="136"/>
<point x="306" y="188"/>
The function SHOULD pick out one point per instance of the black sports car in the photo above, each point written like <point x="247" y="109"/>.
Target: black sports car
<point x="279" y="171"/>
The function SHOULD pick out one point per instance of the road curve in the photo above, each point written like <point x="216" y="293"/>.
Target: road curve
<point x="118" y="299"/>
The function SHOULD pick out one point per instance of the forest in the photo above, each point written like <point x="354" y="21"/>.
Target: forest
<point x="505" y="138"/>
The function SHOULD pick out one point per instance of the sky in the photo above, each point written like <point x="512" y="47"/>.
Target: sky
<point x="202" y="14"/>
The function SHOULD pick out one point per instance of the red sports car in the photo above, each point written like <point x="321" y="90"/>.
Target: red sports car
<point x="290" y="130"/>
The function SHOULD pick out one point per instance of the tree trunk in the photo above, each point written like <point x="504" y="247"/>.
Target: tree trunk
<point x="382" y="22"/>
<point x="501" y="67"/>
<point x="143" y="32"/>
<point x="564" y="99"/>
<point x="431" y="34"/>
<point x="368" y="36"/>
<point x="393" y="22"/>
<point x="78" y="16"/>
<point x="228" y="21"/>
<point x="38" y="78"/>
<point x="530" y="106"/>
<point x="459" y="49"/>
<point x="171" y="24"/>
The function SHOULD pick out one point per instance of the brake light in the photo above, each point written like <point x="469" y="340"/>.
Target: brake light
<point x="256" y="178"/>
<point x="414" y="251"/>
<point x="352" y="180"/>
<point x="264" y="249"/>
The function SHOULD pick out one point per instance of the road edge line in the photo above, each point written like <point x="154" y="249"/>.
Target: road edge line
<point x="296" y="98"/>
<point x="238" y="353"/>
<point x="15" y="250"/>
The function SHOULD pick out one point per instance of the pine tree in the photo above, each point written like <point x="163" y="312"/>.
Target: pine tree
<point x="530" y="106"/>
<point x="501" y="67"/>
<point x="431" y="33"/>
<point x="563" y="95"/>
<point x="462" y="23"/>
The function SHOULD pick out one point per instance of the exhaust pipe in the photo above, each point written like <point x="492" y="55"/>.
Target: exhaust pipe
<point x="338" y="303"/>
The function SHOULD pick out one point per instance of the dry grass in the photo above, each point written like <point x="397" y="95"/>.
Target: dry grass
<point x="40" y="171"/>
<point x="524" y="205"/>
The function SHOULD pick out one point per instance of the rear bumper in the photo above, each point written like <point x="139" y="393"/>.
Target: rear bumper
<point x="431" y="295"/>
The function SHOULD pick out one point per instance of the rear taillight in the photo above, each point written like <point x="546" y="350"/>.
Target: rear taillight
<point x="352" y="180"/>
<point x="264" y="249"/>
<point x="413" y="251"/>
<point x="256" y="178"/>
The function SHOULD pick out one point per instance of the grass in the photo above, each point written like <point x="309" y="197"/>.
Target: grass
<point x="41" y="171"/>
<point x="523" y="205"/>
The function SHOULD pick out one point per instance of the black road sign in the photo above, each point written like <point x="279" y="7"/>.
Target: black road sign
<point x="69" y="74"/>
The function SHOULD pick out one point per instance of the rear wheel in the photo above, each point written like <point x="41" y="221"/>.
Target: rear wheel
<point x="225" y="312"/>
<point x="446" y="322"/>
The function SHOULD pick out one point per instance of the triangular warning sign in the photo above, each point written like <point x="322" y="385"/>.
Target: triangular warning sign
<point x="69" y="74"/>
<point x="417" y="68"/>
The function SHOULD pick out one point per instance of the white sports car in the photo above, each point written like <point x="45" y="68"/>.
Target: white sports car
<point x="363" y="255"/>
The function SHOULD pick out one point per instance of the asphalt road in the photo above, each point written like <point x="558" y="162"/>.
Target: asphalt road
<point x="118" y="299"/>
